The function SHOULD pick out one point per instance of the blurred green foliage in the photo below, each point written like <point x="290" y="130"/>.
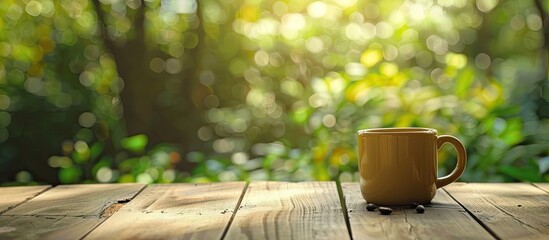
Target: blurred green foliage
<point x="221" y="90"/>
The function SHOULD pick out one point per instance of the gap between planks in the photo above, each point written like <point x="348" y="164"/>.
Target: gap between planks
<point x="346" y="213"/>
<point x="442" y="215"/>
<point x="111" y="209"/>
<point x="65" y="211"/>
<point x="339" y="194"/>
<point x="542" y="186"/>
<point x="33" y="191"/>
<point x="344" y="207"/>
<point x="235" y="210"/>
<point x="232" y="223"/>
<point x="183" y="210"/>
<point x="342" y="200"/>
<point x="474" y="217"/>
<point x="282" y="210"/>
<point x="509" y="210"/>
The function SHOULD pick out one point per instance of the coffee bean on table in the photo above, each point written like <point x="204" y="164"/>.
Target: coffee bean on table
<point x="371" y="207"/>
<point x="420" y="209"/>
<point x="385" y="210"/>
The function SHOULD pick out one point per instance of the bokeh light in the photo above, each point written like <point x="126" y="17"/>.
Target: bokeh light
<point x="168" y="90"/>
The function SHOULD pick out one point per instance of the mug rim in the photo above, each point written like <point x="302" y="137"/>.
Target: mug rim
<point x="398" y="130"/>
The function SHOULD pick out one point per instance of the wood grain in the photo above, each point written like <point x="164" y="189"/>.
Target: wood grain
<point x="175" y="211"/>
<point x="10" y="197"/>
<point x="509" y="210"/>
<point x="443" y="219"/>
<point x="543" y="186"/>
<point x="64" y="212"/>
<point x="77" y="200"/>
<point x="283" y="210"/>
<point x="46" y="227"/>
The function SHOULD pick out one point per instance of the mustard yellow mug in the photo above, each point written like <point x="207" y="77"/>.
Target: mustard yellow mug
<point x="398" y="166"/>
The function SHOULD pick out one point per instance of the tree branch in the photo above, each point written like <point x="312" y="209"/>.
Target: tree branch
<point x="544" y="22"/>
<point x="544" y="55"/>
<point x="139" y="23"/>
<point x="107" y="42"/>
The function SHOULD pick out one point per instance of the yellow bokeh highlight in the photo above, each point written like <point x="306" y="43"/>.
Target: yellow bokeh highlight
<point x="353" y="92"/>
<point x="341" y="156"/>
<point x="249" y="13"/>
<point x="319" y="153"/>
<point x="371" y="57"/>
<point x="405" y="120"/>
<point x="490" y="95"/>
<point x="456" y="60"/>
<point x="388" y="69"/>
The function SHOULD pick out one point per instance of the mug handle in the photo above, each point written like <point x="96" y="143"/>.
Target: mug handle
<point x="461" y="160"/>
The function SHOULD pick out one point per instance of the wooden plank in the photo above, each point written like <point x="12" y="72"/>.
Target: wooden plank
<point x="443" y="219"/>
<point x="46" y="227"/>
<point x="509" y="210"/>
<point x="77" y="200"/>
<point x="186" y="211"/>
<point x="10" y="197"/>
<point x="67" y="212"/>
<point x="543" y="186"/>
<point x="282" y="210"/>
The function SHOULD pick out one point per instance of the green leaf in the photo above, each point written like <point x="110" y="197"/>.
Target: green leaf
<point x="464" y="82"/>
<point x="196" y="157"/>
<point x="70" y="175"/>
<point x="128" y="165"/>
<point x="513" y="131"/>
<point x="506" y="110"/>
<point x="522" y="174"/>
<point x="96" y="150"/>
<point x="135" y="143"/>
<point x="300" y="115"/>
<point x="126" y="178"/>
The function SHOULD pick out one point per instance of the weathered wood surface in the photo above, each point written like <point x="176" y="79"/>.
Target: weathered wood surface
<point x="543" y="186"/>
<point x="444" y="218"/>
<point x="10" y="197"/>
<point x="272" y="210"/>
<point x="77" y="200"/>
<point x="64" y="212"/>
<point x="509" y="210"/>
<point x="46" y="227"/>
<point x="175" y="211"/>
<point x="283" y="210"/>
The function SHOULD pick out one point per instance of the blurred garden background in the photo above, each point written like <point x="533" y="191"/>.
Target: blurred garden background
<point x="221" y="90"/>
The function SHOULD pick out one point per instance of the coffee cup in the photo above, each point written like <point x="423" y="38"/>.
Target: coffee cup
<point x="398" y="166"/>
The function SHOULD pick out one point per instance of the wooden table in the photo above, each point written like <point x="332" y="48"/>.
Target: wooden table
<point x="273" y="210"/>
